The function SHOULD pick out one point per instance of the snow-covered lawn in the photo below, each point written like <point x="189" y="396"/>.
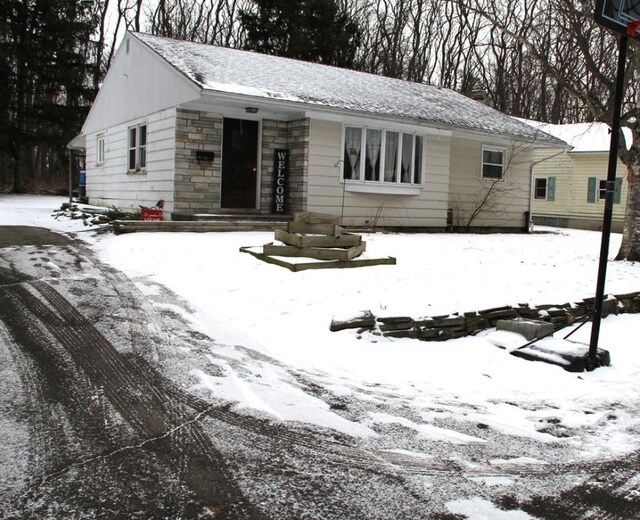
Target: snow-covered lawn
<point x="247" y="305"/>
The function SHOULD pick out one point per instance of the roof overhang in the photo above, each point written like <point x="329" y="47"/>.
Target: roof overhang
<point x="244" y="105"/>
<point x="79" y="142"/>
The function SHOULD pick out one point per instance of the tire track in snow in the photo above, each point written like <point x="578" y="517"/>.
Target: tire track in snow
<point x="142" y="403"/>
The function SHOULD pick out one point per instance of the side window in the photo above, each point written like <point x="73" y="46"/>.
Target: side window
<point x="602" y="189"/>
<point x="541" y="189"/>
<point x="100" y="149"/>
<point x="137" y="148"/>
<point x="597" y="190"/>
<point x="544" y="188"/>
<point x="591" y="189"/>
<point x="492" y="163"/>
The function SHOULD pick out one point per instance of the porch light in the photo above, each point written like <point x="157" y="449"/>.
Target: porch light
<point x="251" y="110"/>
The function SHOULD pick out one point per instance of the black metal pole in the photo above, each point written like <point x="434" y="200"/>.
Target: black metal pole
<point x="608" y="201"/>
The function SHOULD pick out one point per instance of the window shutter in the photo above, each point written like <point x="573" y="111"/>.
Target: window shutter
<point x="591" y="189"/>
<point x="551" y="188"/>
<point x="618" y="191"/>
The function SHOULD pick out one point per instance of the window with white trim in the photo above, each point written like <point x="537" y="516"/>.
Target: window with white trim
<point x="100" y="149"/>
<point x="137" y="146"/>
<point x="493" y="162"/>
<point x="602" y="189"/>
<point x="386" y="157"/>
<point x="597" y="190"/>
<point x="545" y="188"/>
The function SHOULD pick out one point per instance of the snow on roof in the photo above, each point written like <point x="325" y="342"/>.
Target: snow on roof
<point x="233" y="71"/>
<point x="582" y="137"/>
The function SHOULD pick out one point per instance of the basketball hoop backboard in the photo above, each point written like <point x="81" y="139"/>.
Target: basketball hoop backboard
<point x="622" y="16"/>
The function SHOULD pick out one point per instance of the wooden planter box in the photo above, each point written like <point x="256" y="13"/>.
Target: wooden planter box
<point x="319" y="240"/>
<point x="320" y="253"/>
<point x="330" y="264"/>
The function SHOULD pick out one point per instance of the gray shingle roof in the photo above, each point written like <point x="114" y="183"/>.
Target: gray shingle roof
<point x="247" y="73"/>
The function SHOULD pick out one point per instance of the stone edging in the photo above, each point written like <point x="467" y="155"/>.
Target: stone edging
<point x="445" y="327"/>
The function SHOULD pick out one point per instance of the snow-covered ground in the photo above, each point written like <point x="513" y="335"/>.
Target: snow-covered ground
<point x="245" y="304"/>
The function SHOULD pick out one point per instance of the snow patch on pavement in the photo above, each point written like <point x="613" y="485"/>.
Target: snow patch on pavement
<point x="479" y="509"/>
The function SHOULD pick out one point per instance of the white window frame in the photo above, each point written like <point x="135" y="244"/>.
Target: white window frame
<point x="100" y="149"/>
<point x="535" y="188"/>
<point x="488" y="148"/>
<point x="601" y="190"/>
<point x="139" y="150"/>
<point x="380" y="185"/>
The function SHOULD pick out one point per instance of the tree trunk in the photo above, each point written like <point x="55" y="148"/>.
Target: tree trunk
<point x="20" y="170"/>
<point x="630" y="247"/>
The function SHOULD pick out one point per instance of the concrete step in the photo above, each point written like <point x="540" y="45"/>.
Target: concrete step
<point x="196" y="226"/>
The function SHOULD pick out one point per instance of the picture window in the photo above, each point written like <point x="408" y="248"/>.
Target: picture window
<point x="384" y="157"/>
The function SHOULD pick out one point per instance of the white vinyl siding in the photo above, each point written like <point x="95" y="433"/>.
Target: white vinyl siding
<point x="111" y="184"/>
<point x="327" y="193"/>
<point x="510" y="200"/>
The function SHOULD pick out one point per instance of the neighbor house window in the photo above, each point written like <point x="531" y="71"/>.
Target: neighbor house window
<point x="545" y="188"/>
<point x="602" y="190"/>
<point x="382" y="156"/>
<point x="597" y="190"/>
<point x="492" y="163"/>
<point x="100" y="149"/>
<point x="137" y="147"/>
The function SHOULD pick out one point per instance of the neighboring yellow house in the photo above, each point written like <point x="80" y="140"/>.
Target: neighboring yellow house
<point x="569" y="184"/>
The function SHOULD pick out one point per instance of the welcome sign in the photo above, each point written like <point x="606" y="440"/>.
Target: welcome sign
<point x="281" y="176"/>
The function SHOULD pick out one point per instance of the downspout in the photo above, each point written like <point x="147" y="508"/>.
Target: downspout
<point x="70" y="181"/>
<point x="531" y="187"/>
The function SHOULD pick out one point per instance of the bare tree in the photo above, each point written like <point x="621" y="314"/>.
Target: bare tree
<point x="205" y="21"/>
<point x="587" y="78"/>
<point x="489" y="194"/>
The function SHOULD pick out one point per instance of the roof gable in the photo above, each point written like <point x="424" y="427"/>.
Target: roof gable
<point x="139" y="82"/>
<point x="245" y="73"/>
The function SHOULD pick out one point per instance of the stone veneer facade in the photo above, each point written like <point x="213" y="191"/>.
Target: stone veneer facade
<point x="198" y="183"/>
